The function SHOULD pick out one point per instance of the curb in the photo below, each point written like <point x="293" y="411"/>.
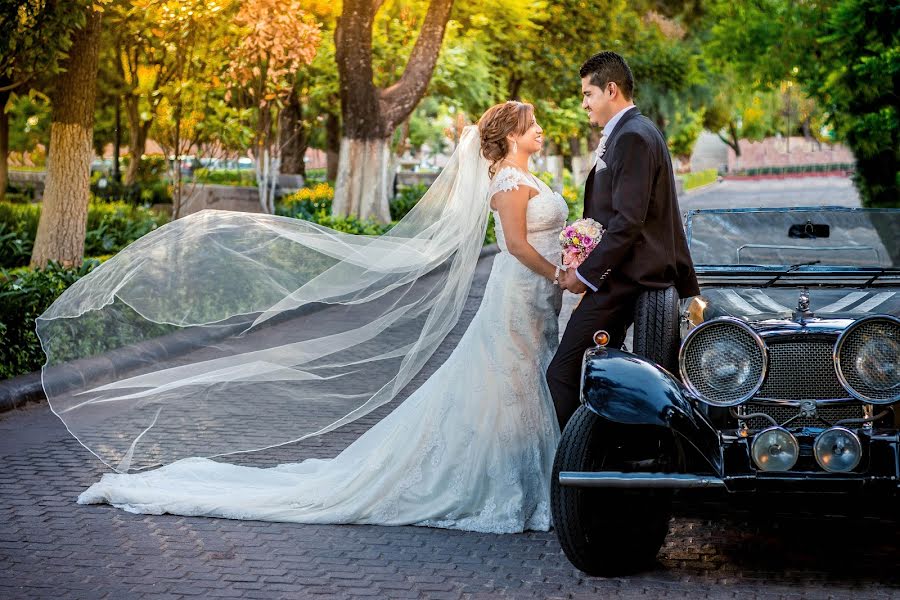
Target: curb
<point x="18" y="391"/>
<point x="770" y="176"/>
<point x="22" y="389"/>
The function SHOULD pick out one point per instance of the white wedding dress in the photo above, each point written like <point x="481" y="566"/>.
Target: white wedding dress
<point x="471" y="449"/>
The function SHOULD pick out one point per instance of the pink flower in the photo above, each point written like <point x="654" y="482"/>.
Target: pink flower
<point x="578" y="240"/>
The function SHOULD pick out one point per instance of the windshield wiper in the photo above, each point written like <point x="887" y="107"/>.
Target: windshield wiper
<point x="790" y="269"/>
<point x="803" y="264"/>
<point x="874" y="277"/>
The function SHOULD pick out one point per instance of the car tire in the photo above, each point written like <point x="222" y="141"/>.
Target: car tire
<point x="602" y="531"/>
<point x="656" y="334"/>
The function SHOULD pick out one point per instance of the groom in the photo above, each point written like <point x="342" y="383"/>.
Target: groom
<point x="631" y="192"/>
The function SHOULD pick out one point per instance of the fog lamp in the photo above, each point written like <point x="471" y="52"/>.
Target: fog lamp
<point x="775" y="449"/>
<point x="838" y="450"/>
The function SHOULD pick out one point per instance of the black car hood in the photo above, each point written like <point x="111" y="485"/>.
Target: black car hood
<point x="759" y="304"/>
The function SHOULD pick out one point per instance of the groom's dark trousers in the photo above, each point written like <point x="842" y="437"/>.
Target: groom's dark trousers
<point x="643" y="248"/>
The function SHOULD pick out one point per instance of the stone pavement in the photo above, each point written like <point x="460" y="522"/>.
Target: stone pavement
<point x="51" y="547"/>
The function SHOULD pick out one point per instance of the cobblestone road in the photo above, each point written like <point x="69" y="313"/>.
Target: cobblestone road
<point x="51" y="547"/>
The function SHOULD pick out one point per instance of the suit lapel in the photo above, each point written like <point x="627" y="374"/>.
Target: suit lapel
<point x="588" y="187"/>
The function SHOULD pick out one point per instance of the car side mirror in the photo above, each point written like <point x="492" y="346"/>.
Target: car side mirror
<point x="809" y="230"/>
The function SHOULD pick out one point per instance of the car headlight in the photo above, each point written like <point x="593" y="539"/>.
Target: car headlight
<point x="867" y="359"/>
<point x="723" y="361"/>
<point x="775" y="449"/>
<point x="837" y="450"/>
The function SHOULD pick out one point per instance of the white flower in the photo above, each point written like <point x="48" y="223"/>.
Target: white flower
<point x="601" y="147"/>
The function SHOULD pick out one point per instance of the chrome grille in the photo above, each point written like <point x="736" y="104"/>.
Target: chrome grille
<point x="801" y="370"/>
<point x="832" y="413"/>
<point x="718" y="354"/>
<point x="872" y="345"/>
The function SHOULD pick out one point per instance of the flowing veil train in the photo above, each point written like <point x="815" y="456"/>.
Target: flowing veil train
<point x="228" y="332"/>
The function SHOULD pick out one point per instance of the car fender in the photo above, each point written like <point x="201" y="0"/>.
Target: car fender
<point x="629" y="390"/>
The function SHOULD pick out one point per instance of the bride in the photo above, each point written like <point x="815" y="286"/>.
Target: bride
<point x="472" y="448"/>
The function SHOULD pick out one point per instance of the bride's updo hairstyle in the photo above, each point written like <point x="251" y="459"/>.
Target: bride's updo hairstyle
<point x="498" y="122"/>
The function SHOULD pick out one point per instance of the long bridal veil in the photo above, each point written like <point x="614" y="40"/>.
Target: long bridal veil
<point x="228" y="332"/>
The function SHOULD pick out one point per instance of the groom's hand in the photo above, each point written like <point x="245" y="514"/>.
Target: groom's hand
<point x="569" y="281"/>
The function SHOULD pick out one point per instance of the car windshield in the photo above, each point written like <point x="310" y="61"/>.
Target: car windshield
<point x="836" y="237"/>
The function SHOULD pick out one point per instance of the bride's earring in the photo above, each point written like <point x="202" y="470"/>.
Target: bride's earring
<point x="515" y="147"/>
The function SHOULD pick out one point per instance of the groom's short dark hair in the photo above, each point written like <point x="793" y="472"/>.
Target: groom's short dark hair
<point x="609" y="66"/>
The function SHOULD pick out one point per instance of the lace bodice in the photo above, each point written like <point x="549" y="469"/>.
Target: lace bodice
<point x="546" y="214"/>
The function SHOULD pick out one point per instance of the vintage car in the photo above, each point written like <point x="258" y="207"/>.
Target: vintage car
<point x="783" y="375"/>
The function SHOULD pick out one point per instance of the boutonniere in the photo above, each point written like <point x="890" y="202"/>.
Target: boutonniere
<point x="598" y="154"/>
<point x="601" y="147"/>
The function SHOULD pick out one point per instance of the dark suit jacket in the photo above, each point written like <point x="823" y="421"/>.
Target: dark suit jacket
<point x="634" y="198"/>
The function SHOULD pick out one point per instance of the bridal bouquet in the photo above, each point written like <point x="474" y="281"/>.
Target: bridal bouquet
<point x="577" y="241"/>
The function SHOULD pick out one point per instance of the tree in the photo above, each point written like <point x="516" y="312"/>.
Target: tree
<point x="277" y="38"/>
<point x="34" y="35"/>
<point x="29" y="125"/>
<point x="191" y="111"/>
<point x="313" y="101"/>
<point x="371" y="114"/>
<point x="150" y="39"/>
<point x="736" y="111"/>
<point x="143" y="66"/>
<point x="844" y="55"/>
<point x="63" y="222"/>
<point x="856" y="76"/>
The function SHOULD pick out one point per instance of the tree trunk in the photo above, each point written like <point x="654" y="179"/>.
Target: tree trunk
<point x="370" y="115"/>
<point x="574" y="145"/>
<point x="363" y="180"/>
<point x="515" y="85"/>
<point x="265" y="155"/>
<point x="732" y="140"/>
<point x="4" y="144"/>
<point x="296" y="140"/>
<point x="136" y="146"/>
<point x="63" y="222"/>
<point x="137" y="138"/>
<point x="267" y="171"/>
<point x="332" y="145"/>
<point x="117" y="145"/>
<point x="174" y="166"/>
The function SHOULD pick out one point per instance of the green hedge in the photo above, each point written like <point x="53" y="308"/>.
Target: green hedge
<point x="795" y="169"/>
<point x="694" y="180"/>
<point x="315" y="175"/>
<point x="110" y="227"/>
<point x="406" y="199"/>
<point x="138" y="194"/>
<point x="226" y="177"/>
<point x="24" y="295"/>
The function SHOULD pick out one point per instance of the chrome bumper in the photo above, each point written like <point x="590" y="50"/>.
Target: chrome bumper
<point x="613" y="479"/>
